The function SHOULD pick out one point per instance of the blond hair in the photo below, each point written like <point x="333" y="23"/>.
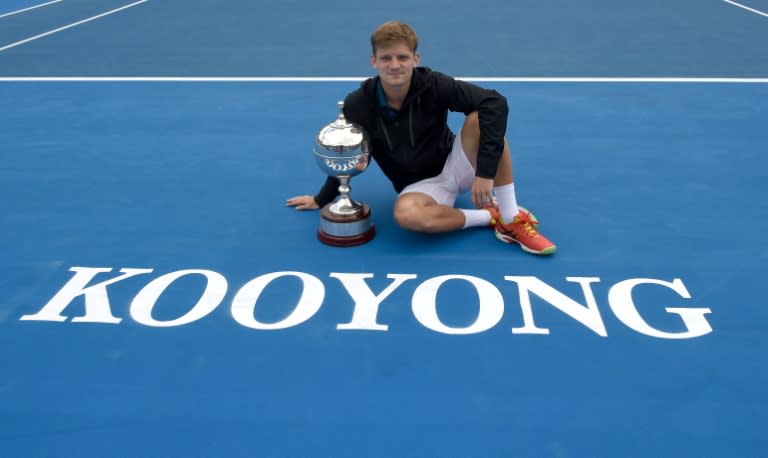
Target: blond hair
<point x="394" y="32"/>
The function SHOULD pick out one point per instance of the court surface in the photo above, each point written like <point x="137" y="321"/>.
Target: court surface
<point x="158" y="299"/>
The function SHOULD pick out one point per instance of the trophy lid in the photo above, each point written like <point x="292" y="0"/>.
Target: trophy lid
<point x="342" y="136"/>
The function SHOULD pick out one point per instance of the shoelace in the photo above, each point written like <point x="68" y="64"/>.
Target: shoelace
<point x="527" y="224"/>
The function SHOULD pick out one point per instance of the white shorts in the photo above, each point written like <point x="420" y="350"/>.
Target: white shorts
<point x="455" y="179"/>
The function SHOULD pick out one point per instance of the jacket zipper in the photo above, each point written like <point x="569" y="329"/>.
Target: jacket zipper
<point x="410" y="129"/>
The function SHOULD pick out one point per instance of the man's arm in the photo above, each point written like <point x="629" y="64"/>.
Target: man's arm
<point x="492" y="110"/>
<point x="327" y="193"/>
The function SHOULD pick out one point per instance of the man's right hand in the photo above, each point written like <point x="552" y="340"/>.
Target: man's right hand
<point x="302" y="203"/>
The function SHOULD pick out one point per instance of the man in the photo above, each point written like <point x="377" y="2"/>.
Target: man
<point x="404" y="110"/>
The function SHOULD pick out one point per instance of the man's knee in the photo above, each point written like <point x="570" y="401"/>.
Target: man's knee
<point x="470" y="136"/>
<point x="409" y="214"/>
<point x="406" y="214"/>
<point x="472" y="122"/>
<point x="471" y="126"/>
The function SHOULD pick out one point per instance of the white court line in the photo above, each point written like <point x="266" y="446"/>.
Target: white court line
<point x="75" y="24"/>
<point x="28" y="9"/>
<point x="331" y="79"/>
<point x="746" y="8"/>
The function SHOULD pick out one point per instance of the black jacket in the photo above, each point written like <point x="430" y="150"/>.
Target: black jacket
<point x="416" y="143"/>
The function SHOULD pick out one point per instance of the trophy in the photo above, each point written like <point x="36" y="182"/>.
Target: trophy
<point x="342" y="150"/>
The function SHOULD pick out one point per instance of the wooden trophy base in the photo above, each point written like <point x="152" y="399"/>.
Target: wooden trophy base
<point x="346" y="230"/>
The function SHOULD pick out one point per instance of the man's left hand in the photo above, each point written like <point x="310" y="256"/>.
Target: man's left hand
<point x="482" y="192"/>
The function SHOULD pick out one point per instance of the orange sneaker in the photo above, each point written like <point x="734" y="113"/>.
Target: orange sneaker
<point x="521" y="230"/>
<point x="493" y="209"/>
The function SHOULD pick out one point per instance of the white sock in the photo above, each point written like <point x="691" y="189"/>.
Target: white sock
<point x="475" y="218"/>
<point x="505" y="196"/>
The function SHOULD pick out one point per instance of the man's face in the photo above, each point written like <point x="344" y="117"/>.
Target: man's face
<point x="395" y="64"/>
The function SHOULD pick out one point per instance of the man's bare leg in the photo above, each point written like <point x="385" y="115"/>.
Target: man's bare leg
<point x="470" y="142"/>
<point x="419" y="212"/>
<point x="503" y="186"/>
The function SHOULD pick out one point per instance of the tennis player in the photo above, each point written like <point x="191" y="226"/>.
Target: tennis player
<point x="404" y="110"/>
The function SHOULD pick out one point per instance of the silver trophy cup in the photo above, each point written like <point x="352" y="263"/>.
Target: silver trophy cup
<point x="342" y="150"/>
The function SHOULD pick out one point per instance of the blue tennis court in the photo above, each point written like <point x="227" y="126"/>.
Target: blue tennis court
<point x="157" y="297"/>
